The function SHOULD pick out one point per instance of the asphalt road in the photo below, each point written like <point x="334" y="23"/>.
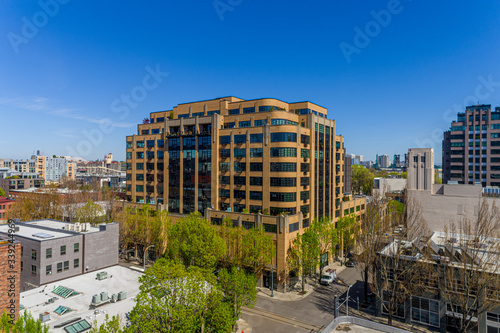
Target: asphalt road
<point x="310" y="314"/>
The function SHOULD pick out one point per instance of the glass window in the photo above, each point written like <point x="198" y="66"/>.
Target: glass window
<point x="225" y="153"/>
<point x="225" y="140"/>
<point x="256" y="152"/>
<point x="129" y="144"/>
<point x="230" y="125"/>
<point x="76" y="263"/>
<point x="256" y="138"/>
<point x="48" y="253"/>
<point x="283" y="137"/>
<point x="63" y="250"/>
<point x="33" y="254"/>
<point x="259" y="122"/>
<point x="139" y="166"/>
<point x="240" y="152"/>
<point x="140" y="144"/>
<point x="283" y="167"/>
<point x="66" y="265"/>
<point x="283" y="152"/>
<point x="283" y="196"/>
<point x="234" y="111"/>
<point x="282" y="122"/>
<point x="139" y="154"/>
<point x="255" y="166"/>
<point x="241" y="138"/>
<point x="244" y="123"/>
<point x="249" y="110"/>
<point x="257" y="181"/>
<point x="139" y="188"/>
<point x="48" y="270"/>
<point x="139" y="177"/>
<point x="33" y="270"/>
<point x="59" y="267"/>
<point x="76" y="247"/>
<point x="255" y="195"/>
<point x="283" y="182"/>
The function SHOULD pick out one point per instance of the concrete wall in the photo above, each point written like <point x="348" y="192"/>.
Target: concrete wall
<point x="57" y="258"/>
<point x="101" y="248"/>
<point x="420" y="173"/>
<point x="387" y="185"/>
<point x="449" y="203"/>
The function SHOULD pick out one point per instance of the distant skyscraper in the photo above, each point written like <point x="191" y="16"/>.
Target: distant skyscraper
<point x="471" y="148"/>
<point x="397" y="161"/>
<point x="384" y="161"/>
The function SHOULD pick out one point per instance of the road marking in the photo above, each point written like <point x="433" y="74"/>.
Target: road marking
<point x="281" y="319"/>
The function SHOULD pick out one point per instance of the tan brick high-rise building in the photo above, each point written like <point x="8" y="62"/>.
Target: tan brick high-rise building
<point x="235" y="158"/>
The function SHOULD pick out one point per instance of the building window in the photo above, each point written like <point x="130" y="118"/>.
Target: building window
<point x="259" y="122"/>
<point x="140" y="144"/>
<point x="48" y="253"/>
<point x="270" y="228"/>
<point x="256" y="152"/>
<point x="22" y="266"/>
<point x="255" y="166"/>
<point x="76" y="247"/>
<point x="283" y="152"/>
<point x="255" y="195"/>
<point x="244" y="124"/>
<point x="48" y="270"/>
<point x="283" y="137"/>
<point x="225" y="140"/>
<point x="283" y="182"/>
<point x="230" y="125"/>
<point x="76" y="263"/>
<point x="283" y="196"/>
<point x="283" y="167"/>
<point x="63" y="250"/>
<point x="293" y="227"/>
<point x="234" y="111"/>
<point x="66" y="265"/>
<point x="256" y="138"/>
<point x="249" y="110"/>
<point x="139" y="166"/>
<point x="59" y="267"/>
<point x="240" y="152"/>
<point x="33" y="270"/>
<point x="241" y="138"/>
<point x="256" y="181"/>
<point x="33" y="254"/>
<point x="425" y="311"/>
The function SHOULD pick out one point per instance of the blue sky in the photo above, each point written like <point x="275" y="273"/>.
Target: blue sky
<point x="63" y="73"/>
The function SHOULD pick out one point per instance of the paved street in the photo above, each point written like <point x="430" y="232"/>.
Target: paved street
<point x="315" y="309"/>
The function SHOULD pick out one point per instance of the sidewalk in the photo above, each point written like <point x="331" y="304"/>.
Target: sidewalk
<point x="243" y="326"/>
<point x="296" y="295"/>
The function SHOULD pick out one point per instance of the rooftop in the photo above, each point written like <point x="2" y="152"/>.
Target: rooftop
<point x="46" y="229"/>
<point x="119" y="279"/>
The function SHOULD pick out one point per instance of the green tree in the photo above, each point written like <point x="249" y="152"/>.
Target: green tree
<point x="90" y="212"/>
<point x="24" y="324"/>
<point x="2" y="193"/>
<point x="239" y="289"/>
<point x="174" y="298"/>
<point x="257" y="249"/>
<point x="362" y="179"/>
<point x="303" y="255"/>
<point x="437" y="179"/>
<point x="110" y="325"/>
<point x="194" y="242"/>
<point x="348" y="229"/>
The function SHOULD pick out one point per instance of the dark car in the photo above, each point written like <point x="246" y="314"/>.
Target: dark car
<point x="350" y="263"/>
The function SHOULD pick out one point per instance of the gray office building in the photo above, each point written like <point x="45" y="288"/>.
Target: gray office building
<point x="54" y="250"/>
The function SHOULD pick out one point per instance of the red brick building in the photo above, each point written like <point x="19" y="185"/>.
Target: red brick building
<point x="10" y="276"/>
<point x="4" y="207"/>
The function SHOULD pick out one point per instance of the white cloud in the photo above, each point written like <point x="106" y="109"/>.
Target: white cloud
<point x="43" y="104"/>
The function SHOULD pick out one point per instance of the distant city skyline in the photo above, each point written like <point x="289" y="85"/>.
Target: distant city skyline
<point x="78" y="87"/>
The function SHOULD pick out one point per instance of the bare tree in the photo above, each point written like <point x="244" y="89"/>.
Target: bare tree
<point x="472" y="273"/>
<point x="397" y="264"/>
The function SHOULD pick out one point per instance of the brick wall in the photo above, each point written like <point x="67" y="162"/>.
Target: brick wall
<point x="10" y="279"/>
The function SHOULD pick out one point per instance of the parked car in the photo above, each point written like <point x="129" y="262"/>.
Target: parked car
<point x="350" y="263"/>
<point x="328" y="277"/>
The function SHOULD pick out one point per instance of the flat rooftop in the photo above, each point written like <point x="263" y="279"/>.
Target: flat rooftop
<point x="119" y="279"/>
<point x="44" y="229"/>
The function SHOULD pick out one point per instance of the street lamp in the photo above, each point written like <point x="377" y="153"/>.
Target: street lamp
<point x="272" y="280"/>
<point x="347" y="300"/>
<point x="145" y="254"/>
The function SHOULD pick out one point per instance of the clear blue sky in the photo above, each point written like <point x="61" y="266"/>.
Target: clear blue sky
<point x="62" y="79"/>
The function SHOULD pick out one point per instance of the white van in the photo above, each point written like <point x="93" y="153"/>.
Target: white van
<point x="328" y="277"/>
